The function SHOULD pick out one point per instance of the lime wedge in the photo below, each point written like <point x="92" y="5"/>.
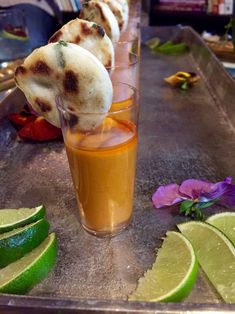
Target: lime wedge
<point x="173" y="274"/>
<point x="216" y="255"/>
<point x="16" y="243"/>
<point x="14" y="218"/>
<point x="22" y="275"/>
<point x="225" y="222"/>
<point x="6" y="34"/>
<point x="153" y="42"/>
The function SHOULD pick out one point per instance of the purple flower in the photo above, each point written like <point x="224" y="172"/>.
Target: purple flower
<point x="195" y="195"/>
<point x="223" y="192"/>
<point x="167" y="195"/>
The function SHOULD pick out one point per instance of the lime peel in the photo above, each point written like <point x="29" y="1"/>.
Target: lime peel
<point x="225" y="222"/>
<point x="216" y="255"/>
<point x="151" y="286"/>
<point x="14" y="218"/>
<point x="6" y="34"/>
<point x="22" y="275"/>
<point x="18" y="242"/>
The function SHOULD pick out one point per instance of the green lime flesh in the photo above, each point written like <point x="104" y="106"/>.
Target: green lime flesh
<point x="14" y="218"/>
<point x="225" y="222"/>
<point x="6" y="34"/>
<point x="20" y="276"/>
<point x="16" y="243"/>
<point x="216" y="255"/>
<point x="153" y="42"/>
<point x="173" y="274"/>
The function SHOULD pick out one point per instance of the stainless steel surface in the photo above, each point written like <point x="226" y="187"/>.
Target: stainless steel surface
<point x="7" y="70"/>
<point x="182" y="135"/>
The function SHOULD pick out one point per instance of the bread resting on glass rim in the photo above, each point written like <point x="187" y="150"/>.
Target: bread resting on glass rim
<point x="100" y="13"/>
<point x="88" y="35"/>
<point x="118" y="12"/>
<point x="125" y="11"/>
<point x="70" y="73"/>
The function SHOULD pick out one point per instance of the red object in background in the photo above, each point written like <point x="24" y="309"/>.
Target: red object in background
<point x="215" y="9"/>
<point x="15" y="30"/>
<point x="32" y="127"/>
<point x="20" y="119"/>
<point x="39" y="130"/>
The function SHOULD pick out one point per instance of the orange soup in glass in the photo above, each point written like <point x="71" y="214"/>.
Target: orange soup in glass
<point x="102" y="163"/>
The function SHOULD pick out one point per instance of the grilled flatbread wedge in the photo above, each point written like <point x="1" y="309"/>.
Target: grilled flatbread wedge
<point x="118" y="12"/>
<point x="70" y="73"/>
<point x="100" y="13"/>
<point x="88" y="35"/>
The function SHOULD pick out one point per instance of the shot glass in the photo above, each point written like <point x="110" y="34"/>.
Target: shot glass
<point x="102" y="163"/>
<point x="126" y="69"/>
<point x="124" y="49"/>
<point x="129" y="39"/>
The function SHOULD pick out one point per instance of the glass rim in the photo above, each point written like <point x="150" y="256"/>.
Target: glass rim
<point x="62" y="109"/>
<point x="127" y="41"/>
<point x="124" y="65"/>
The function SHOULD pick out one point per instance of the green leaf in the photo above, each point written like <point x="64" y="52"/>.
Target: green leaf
<point x="62" y="43"/>
<point x="203" y="205"/>
<point x="59" y="55"/>
<point x="165" y="45"/>
<point x="194" y="210"/>
<point x="184" y="86"/>
<point x="196" y="213"/>
<point x="185" y="206"/>
<point x="199" y="215"/>
<point x="171" y="48"/>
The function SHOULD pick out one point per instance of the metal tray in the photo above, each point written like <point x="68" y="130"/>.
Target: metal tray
<point x="182" y="135"/>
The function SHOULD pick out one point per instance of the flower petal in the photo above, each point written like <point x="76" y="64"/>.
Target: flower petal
<point x="228" y="180"/>
<point x="224" y="192"/>
<point x="167" y="195"/>
<point x="193" y="188"/>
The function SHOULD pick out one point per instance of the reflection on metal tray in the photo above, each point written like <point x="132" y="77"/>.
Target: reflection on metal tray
<point x="182" y="135"/>
<point x="230" y="68"/>
<point x="7" y="82"/>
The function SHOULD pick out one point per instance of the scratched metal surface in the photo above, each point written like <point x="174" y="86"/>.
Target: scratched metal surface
<point x="181" y="135"/>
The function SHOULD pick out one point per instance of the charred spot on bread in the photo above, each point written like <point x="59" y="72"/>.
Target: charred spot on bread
<point x="70" y="82"/>
<point x="99" y="29"/>
<point x="43" y="105"/>
<point x="20" y="70"/>
<point x="41" y="68"/>
<point x="85" y="29"/>
<point x="120" y="24"/>
<point x="109" y="64"/>
<point x="100" y="10"/>
<point x="77" y="39"/>
<point x="54" y="38"/>
<point x="108" y="28"/>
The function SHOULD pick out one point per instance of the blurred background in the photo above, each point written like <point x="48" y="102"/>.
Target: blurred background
<point x="28" y="24"/>
<point x="202" y="15"/>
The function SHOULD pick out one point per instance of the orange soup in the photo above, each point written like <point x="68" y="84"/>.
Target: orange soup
<point x="102" y="165"/>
